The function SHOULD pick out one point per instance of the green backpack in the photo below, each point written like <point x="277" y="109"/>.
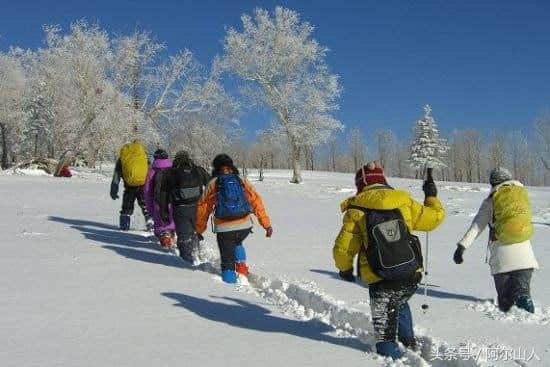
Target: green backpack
<point x="512" y="214"/>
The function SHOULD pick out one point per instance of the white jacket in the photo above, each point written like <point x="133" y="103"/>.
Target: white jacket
<point x="503" y="258"/>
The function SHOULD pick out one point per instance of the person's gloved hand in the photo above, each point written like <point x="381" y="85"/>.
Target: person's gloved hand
<point x="429" y="188"/>
<point x="347" y="275"/>
<point x="269" y="232"/>
<point x="457" y="257"/>
<point x="114" y="191"/>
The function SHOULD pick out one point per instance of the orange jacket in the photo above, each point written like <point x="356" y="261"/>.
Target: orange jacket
<point x="208" y="201"/>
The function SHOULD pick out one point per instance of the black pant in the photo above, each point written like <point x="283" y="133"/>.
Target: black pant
<point x="131" y="194"/>
<point x="227" y="241"/>
<point x="512" y="285"/>
<point x="185" y="217"/>
<point x="389" y="308"/>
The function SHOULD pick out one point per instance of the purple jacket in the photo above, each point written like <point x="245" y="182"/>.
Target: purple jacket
<point x="149" y="196"/>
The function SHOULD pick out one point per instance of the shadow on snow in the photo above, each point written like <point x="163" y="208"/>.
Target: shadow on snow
<point x="431" y="292"/>
<point x="246" y="315"/>
<point x="127" y="244"/>
<point x="240" y="314"/>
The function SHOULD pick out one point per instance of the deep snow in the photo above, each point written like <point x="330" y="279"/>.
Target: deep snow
<point x="76" y="291"/>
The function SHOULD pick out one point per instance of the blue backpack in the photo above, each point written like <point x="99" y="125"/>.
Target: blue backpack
<point x="231" y="202"/>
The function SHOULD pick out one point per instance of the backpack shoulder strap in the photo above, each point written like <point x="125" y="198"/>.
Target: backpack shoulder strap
<point x="363" y="209"/>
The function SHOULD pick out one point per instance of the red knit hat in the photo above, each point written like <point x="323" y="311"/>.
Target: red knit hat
<point x="370" y="174"/>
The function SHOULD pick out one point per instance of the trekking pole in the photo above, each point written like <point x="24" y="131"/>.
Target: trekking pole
<point x="425" y="306"/>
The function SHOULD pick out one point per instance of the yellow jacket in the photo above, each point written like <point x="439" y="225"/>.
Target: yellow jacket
<point x="352" y="236"/>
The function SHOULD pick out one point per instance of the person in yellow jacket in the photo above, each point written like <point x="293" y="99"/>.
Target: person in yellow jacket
<point x="391" y="314"/>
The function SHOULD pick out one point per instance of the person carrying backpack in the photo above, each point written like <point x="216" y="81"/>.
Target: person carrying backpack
<point x="163" y="228"/>
<point x="507" y="212"/>
<point x="181" y="192"/>
<point x="233" y="200"/>
<point x="132" y="167"/>
<point x="376" y="226"/>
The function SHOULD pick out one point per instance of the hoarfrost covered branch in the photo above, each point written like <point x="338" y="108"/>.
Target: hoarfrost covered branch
<point x="285" y="69"/>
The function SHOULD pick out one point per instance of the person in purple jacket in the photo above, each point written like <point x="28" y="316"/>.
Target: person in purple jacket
<point x="151" y="189"/>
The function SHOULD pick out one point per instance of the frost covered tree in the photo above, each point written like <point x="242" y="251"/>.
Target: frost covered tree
<point x="164" y="91"/>
<point x="201" y="139"/>
<point x="386" y="143"/>
<point x="427" y="149"/>
<point x="497" y="150"/>
<point x="542" y="130"/>
<point x="13" y="81"/>
<point x="357" y="147"/>
<point x="285" y="69"/>
<point x="76" y="65"/>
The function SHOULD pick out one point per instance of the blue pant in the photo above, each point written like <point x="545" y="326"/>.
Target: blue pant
<point x="391" y="317"/>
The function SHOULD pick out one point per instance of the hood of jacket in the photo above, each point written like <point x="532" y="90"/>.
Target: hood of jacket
<point x="162" y="163"/>
<point x="378" y="197"/>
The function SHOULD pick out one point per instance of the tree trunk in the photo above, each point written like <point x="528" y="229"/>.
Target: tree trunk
<point x="35" y="153"/>
<point x="5" y="162"/>
<point x="296" y="169"/>
<point x="51" y="150"/>
<point x="261" y="178"/>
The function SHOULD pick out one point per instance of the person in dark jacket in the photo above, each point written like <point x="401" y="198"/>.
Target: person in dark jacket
<point x="131" y="192"/>
<point x="182" y="190"/>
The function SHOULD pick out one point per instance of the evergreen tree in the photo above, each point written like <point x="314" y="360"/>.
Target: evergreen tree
<point x="427" y="148"/>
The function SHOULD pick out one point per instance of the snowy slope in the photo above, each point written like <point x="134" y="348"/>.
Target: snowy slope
<point x="76" y="291"/>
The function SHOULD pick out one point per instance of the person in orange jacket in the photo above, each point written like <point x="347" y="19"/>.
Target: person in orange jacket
<point x="233" y="200"/>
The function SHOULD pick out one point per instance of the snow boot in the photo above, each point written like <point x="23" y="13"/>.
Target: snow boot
<point x="388" y="349"/>
<point x="240" y="260"/>
<point x="149" y="224"/>
<point x="241" y="268"/>
<point x="166" y="240"/>
<point x="405" y="327"/>
<point x="125" y="222"/>
<point x="240" y="253"/>
<point x="229" y="276"/>
<point x="525" y="303"/>
<point x="187" y="248"/>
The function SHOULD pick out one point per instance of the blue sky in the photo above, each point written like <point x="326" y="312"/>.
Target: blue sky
<point x="481" y="64"/>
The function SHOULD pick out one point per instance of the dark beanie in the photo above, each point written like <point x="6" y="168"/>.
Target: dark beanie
<point x="222" y="160"/>
<point x="370" y="174"/>
<point x="182" y="159"/>
<point x="160" y="154"/>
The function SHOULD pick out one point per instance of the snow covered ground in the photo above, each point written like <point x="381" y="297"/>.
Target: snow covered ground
<point x="78" y="292"/>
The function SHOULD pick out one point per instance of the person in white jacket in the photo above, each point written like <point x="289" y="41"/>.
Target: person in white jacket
<point x="511" y="264"/>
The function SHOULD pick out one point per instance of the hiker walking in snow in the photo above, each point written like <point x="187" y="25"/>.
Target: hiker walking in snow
<point x="232" y="199"/>
<point x="376" y="226"/>
<point x="163" y="227"/>
<point x="132" y="167"/>
<point x="507" y="212"/>
<point x="181" y="192"/>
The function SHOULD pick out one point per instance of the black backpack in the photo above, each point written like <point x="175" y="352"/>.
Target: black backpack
<point x="188" y="186"/>
<point x="392" y="252"/>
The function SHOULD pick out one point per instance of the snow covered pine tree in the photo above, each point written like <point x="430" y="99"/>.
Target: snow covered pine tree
<point x="427" y="148"/>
